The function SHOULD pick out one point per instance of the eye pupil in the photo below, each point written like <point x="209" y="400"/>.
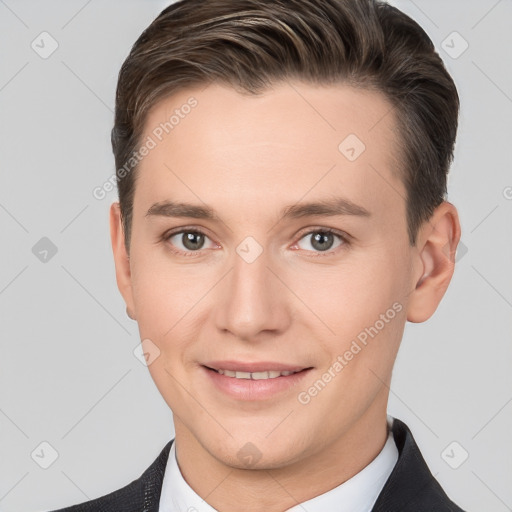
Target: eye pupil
<point x="322" y="241"/>
<point x="192" y="240"/>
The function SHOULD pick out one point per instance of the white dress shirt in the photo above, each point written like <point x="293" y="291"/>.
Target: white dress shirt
<point x="358" y="494"/>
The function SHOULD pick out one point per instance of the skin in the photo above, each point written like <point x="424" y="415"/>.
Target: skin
<point x="248" y="157"/>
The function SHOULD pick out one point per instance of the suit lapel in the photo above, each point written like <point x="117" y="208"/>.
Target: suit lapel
<point x="151" y="481"/>
<point x="411" y="485"/>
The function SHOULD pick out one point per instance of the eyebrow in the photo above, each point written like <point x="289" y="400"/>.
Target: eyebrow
<point x="326" y="207"/>
<point x="178" y="209"/>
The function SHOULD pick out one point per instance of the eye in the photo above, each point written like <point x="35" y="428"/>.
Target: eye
<point x="321" y="240"/>
<point x="187" y="241"/>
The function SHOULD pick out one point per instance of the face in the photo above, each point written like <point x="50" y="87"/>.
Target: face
<point x="269" y="233"/>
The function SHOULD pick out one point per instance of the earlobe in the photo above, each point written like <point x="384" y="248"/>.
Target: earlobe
<point x="437" y="242"/>
<point x="121" y="259"/>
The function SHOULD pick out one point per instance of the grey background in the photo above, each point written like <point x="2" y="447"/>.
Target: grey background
<point x="68" y="375"/>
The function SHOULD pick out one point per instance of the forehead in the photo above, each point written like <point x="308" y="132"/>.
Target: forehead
<point x="292" y="139"/>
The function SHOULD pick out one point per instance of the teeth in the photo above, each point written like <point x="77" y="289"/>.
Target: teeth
<point x="271" y="374"/>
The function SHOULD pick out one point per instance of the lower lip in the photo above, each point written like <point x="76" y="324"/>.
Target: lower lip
<point x="249" y="389"/>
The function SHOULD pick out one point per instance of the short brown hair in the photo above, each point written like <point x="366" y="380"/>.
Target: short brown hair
<point x="251" y="44"/>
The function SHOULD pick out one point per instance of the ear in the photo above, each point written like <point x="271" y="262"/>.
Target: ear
<point x="121" y="259"/>
<point x="436" y="243"/>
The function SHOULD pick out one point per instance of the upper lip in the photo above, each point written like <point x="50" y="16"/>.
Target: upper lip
<point x="259" y="366"/>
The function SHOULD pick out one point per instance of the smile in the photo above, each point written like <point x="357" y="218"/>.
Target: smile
<point x="271" y="374"/>
<point x="253" y="381"/>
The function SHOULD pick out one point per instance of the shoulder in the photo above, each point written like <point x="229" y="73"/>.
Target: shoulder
<point x="140" y="495"/>
<point x="411" y="486"/>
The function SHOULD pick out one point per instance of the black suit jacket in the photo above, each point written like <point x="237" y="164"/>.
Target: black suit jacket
<point x="410" y="487"/>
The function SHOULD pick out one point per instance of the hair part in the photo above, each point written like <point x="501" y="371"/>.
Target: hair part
<point x="251" y="45"/>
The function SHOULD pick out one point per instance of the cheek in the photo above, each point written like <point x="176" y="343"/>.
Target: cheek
<point x="357" y="289"/>
<point x="171" y="311"/>
<point x="164" y="300"/>
<point x="376" y="314"/>
<point x="154" y="302"/>
<point x="163" y="293"/>
<point x="361" y="300"/>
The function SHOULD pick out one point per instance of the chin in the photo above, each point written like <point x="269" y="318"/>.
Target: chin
<point x="258" y="453"/>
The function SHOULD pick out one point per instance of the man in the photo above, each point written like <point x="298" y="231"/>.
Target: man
<point x="282" y="172"/>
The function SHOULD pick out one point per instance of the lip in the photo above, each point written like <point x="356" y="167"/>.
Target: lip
<point x="259" y="366"/>
<point x="255" y="390"/>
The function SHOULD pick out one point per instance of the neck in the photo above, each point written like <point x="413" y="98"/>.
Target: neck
<point x="276" y="489"/>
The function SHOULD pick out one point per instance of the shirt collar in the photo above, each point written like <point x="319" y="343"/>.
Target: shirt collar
<point x="358" y="494"/>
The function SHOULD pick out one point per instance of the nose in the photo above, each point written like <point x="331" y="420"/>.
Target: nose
<point x="252" y="301"/>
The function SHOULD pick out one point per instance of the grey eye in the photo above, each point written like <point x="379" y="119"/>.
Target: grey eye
<point x="188" y="240"/>
<point x="320" y="241"/>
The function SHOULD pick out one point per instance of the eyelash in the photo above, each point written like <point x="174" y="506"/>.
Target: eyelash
<point x="343" y="237"/>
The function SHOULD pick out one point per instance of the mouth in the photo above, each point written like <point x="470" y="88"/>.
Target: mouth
<point x="254" y="382"/>
<point x="259" y="375"/>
